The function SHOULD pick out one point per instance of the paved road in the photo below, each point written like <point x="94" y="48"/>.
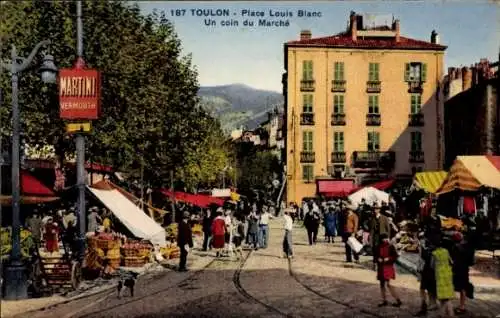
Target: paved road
<point x="316" y="283"/>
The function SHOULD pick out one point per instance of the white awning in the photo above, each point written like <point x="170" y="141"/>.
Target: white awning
<point x="133" y="218"/>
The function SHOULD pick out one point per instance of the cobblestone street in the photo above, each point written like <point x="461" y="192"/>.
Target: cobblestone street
<point x="316" y="283"/>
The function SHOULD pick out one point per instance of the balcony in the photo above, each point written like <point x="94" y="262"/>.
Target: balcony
<point x="307" y="156"/>
<point x="338" y="120"/>
<point x="307" y="119"/>
<point x="373" y="120"/>
<point x="338" y="86"/>
<point x="374" y="159"/>
<point x="338" y="157"/>
<point x="307" y="85"/>
<point x="373" y="87"/>
<point x="416" y="120"/>
<point x="416" y="157"/>
<point x="415" y="87"/>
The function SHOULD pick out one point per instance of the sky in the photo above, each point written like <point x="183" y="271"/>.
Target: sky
<point x="254" y="55"/>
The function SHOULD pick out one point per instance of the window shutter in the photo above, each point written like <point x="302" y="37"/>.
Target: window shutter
<point x="376" y="71"/>
<point x="304" y="69"/>
<point x="341" y="71"/>
<point x="304" y="141"/>
<point x="310" y="74"/>
<point x="341" y="104"/>
<point x="407" y="72"/>
<point x="424" y="72"/>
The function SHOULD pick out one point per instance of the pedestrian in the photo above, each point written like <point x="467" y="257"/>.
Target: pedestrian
<point x="350" y="230"/>
<point x="69" y="217"/>
<point x="379" y="225"/>
<point x="264" y="227"/>
<point x="312" y="220"/>
<point x="238" y="235"/>
<point x="386" y="255"/>
<point x="442" y="264"/>
<point x="253" y="230"/>
<point x="427" y="277"/>
<point x="207" y="229"/>
<point x="229" y="228"/>
<point x="184" y="240"/>
<point x="93" y="220"/>
<point x="330" y="223"/>
<point x="463" y="257"/>
<point x="218" y="230"/>
<point x="287" y="239"/>
<point x="51" y="236"/>
<point x="34" y="224"/>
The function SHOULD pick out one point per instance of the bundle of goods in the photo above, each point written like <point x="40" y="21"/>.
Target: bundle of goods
<point x="197" y="229"/>
<point x="451" y="224"/>
<point x="171" y="250"/>
<point x="172" y="231"/>
<point x="27" y="243"/>
<point x="404" y="241"/>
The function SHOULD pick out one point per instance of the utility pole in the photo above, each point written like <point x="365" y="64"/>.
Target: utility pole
<point x="172" y="194"/>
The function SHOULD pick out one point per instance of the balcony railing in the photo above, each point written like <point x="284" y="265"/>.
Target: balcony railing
<point x="415" y="87"/>
<point x="373" y="120"/>
<point x="307" y="85"/>
<point x="307" y="119"/>
<point x="338" y="119"/>
<point x="416" y="157"/>
<point x="373" y="87"/>
<point x="416" y="120"/>
<point x="307" y="156"/>
<point x="373" y="159"/>
<point x="338" y="86"/>
<point x="338" y="157"/>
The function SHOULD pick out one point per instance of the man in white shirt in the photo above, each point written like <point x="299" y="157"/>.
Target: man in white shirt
<point x="264" y="227"/>
<point x="287" y="239"/>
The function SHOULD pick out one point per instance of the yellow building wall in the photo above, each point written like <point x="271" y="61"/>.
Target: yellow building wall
<point x="394" y="107"/>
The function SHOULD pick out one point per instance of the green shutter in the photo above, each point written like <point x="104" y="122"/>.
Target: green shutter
<point x="341" y="104"/>
<point x="304" y="69"/>
<point x="304" y="141"/>
<point x="310" y="71"/>
<point x="377" y="140"/>
<point x="424" y="72"/>
<point x="413" y="104"/>
<point x="376" y="72"/>
<point x="407" y="72"/>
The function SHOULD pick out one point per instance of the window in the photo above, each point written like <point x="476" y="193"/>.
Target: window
<point x="307" y="70"/>
<point x="373" y="72"/>
<point x="338" y="141"/>
<point x="338" y="71"/>
<point x="307" y="103"/>
<point x="416" y="141"/>
<point x="338" y="104"/>
<point x="373" y="104"/>
<point x="307" y="141"/>
<point x="373" y="141"/>
<point x="415" y="72"/>
<point x="307" y="172"/>
<point x="416" y="103"/>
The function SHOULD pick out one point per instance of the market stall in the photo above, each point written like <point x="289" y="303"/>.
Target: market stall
<point x="370" y="195"/>
<point x="33" y="191"/>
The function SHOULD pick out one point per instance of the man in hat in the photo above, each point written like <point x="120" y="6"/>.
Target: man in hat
<point x="69" y="217"/>
<point x="93" y="219"/>
<point x="184" y="240"/>
<point x="350" y="229"/>
<point x="379" y="225"/>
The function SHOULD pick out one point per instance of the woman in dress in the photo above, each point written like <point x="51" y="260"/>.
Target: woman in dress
<point x="330" y="223"/>
<point x="218" y="233"/>
<point x="442" y="265"/>
<point x="51" y="236"/>
<point x="386" y="255"/>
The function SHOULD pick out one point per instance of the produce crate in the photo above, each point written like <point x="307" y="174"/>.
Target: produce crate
<point x="134" y="261"/>
<point x="114" y="262"/>
<point x="130" y="252"/>
<point x="107" y="244"/>
<point x="113" y="253"/>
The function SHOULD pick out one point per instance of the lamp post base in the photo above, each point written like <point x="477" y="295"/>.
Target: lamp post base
<point x="16" y="283"/>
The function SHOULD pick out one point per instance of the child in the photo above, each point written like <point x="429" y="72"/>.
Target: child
<point x="442" y="264"/>
<point x="238" y="235"/>
<point x="386" y="256"/>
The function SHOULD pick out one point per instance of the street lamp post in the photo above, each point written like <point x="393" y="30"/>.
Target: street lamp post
<point x="15" y="271"/>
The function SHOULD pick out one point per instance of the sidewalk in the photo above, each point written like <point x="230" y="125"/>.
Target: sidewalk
<point x="484" y="275"/>
<point x="10" y="308"/>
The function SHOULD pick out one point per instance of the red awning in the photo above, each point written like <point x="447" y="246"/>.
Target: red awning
<point x="200" y="200"/>
<point x="30" y="186"/>
<point x="335" y="188"/>
<point x="380" y="185"/>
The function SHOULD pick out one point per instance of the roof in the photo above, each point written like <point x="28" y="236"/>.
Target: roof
<point x="344" y="40"/>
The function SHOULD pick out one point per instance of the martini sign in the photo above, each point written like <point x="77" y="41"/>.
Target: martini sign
<point x="79" y="93"/>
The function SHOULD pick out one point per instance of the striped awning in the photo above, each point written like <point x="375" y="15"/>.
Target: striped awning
<point x="469" y="173"/>
<point x="430" y="181"/>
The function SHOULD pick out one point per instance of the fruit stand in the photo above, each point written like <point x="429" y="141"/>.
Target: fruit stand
<point x="136" y="253"/>
<point x="27" y="244"/>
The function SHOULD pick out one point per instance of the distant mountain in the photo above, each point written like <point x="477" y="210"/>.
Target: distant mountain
<point x="239" y="105"/>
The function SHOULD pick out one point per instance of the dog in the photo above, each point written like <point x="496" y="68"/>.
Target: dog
<point x="127" y="282"/>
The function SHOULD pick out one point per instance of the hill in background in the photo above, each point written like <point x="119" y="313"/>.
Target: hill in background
<point x="239" y="105"/>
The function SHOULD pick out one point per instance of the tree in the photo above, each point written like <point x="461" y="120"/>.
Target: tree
<point x="151" y="119"/>
<point x="257" y="170"/>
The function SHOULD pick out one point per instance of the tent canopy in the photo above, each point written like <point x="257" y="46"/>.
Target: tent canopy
<point x="380" y="185"/>
<point x="131" y="216"/>
<point x="199" y="200"/>
<point x="429" y="181"/>
<point x="469" y="173"/>
<point x="33" y="191"/>
<point x="370" y="194"/>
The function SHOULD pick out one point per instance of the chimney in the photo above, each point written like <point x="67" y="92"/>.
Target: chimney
<point x="395" y="28"/>
<point x="466" y="78"/>
<point x="305" y="35"/>
<point x="434" y="37"/>
<point x="353" y="28"/>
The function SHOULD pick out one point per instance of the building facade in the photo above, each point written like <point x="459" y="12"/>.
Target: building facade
<point x="472" y="112"/>
<point x="363" y="103"/>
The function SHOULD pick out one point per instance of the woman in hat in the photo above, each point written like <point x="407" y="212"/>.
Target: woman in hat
<point x="51" y="236"/>
<point x="218" y="232"/>
<point x="386" y="256"/>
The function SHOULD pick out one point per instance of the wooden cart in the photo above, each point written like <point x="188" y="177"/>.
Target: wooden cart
<point x="57" y="272"/>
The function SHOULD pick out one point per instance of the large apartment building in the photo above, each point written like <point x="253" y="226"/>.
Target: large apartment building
<point x="365" y="102"/>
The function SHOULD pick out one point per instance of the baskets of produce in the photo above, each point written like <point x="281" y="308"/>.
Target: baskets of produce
<point x="136" y="249"/>
<point x="172" y="231"/>
<point x="134" y="261"/>
<point x="113" y="253"/>
<point x="197" y="229"/>
<point x="451" y="224"/>
<point x="175" y="253"/>
<point x="114" y="262"/>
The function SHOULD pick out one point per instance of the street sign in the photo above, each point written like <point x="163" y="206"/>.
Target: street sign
<point x="78" y="127"/>
<point x="79" y="93"/>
